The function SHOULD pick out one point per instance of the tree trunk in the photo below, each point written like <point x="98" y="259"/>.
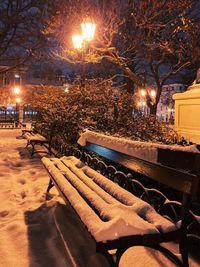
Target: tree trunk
<point x="153" y="109"/>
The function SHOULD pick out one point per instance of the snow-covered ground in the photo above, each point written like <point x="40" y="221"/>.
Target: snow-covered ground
<point x="28" y="233"/>
<point x="28" y="236"/>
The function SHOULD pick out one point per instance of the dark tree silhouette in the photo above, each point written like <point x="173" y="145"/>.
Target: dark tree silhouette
<point x="22" y="27"/>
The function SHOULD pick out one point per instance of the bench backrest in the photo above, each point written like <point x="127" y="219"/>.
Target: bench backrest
<point x="180" y="180"/>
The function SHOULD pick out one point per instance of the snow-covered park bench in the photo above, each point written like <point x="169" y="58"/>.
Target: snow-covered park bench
<point x="7" y="124"/>
<point x="116" y="218"/>
<point x="34" y="139"/>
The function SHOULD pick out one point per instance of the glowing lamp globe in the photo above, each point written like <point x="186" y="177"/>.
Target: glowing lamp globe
<point x="88" y="30"/>
<point x="77" y="40"/>
<point x="18" y="100"/>
<point x="153" y="93"/>
<point x="143" y="104"/>
<point x="142" y="92"/>
<point x="16" y="90"/>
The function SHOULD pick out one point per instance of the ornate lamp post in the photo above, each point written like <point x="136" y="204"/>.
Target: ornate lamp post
<point x="17" y="91"/>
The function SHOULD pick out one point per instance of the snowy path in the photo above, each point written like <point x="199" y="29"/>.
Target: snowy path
<point x="28" y="236"/>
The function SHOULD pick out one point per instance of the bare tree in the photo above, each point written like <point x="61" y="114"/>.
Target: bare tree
<point x="22" y="27"/>
<point x="170" y="45"/>
<point x="152" y="39"/>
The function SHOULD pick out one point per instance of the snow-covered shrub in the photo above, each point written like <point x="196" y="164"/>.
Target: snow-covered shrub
<point x="148" y="128"/>
<point x="96" y="106"/>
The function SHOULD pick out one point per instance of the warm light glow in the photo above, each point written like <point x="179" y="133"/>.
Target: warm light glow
<point x="169" y="110"/>
<point x="88" y="30"/>
<point x="66" y="90"/>
<point x="77" y="40"/>
<point x="143" y="103"/>
<point x="18" y="100"/>
<point x="152" y="93"/>
<point x="16" y="90"/>
<point x="139" y="104"/>
<point x="142" y="92"/>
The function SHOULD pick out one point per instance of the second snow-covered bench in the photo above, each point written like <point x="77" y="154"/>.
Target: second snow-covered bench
<point x="115" y="218"/>
<point x="34" y="139"/>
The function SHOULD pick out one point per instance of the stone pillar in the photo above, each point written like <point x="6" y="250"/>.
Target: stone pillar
<point x="187" y="113"/>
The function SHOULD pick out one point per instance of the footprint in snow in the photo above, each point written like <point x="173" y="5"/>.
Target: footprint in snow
<point x="4" y="213"/>
<point x="21" y="181"/>
<point x="23" y="194"/>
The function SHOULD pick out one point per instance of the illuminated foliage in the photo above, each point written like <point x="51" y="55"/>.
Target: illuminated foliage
<point x="148" y="41"/>
<point x="96" y="106"/>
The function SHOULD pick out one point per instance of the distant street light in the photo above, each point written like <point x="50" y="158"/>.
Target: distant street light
<point x="143" y="103"/>
<point x="142" y="92"/>
<point x="16" y="90"/>
<point x="152" y="93"/>
<point x="18" y="100"/>
<point x="146" y="96"/>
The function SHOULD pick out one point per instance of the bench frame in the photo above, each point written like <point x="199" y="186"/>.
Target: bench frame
<point x="184" y="182"/>
<point x="123" y="243"/>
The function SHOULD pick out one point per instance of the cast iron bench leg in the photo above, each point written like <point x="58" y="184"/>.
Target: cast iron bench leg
<point x="50" y="185"/>
<point x="28" y="143"/>
<point x="33" y="148"/>
<point x="108" y="256"/>
<point x="183" y="245"/>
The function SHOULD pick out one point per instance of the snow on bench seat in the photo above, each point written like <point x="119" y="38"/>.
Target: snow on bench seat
<point x="107" y="210"/>
<point x="34" y="137"/>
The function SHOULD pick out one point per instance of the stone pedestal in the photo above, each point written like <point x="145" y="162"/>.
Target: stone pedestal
<point x="187" y="113"/>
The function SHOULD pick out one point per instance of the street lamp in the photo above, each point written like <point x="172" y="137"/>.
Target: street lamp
<point x="17" y="91"/>
<point x="17" y="100"/>
<point x="88" y="30"/>
<point x="77" y="40"/>
<point x="143" y="92"/>
<point x="147" y="96"/>
<point x="153" y="93"/>
<point x="80" y="42"/>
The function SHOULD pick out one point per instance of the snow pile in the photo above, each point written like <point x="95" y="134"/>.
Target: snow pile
<point x="119" y="212"/>
<point x="144" y="150"/>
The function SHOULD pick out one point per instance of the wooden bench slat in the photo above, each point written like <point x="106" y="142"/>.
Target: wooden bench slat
<point x="135" y="217"/>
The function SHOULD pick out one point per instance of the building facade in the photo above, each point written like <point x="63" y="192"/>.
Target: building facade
<point x="165" y="108"/>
